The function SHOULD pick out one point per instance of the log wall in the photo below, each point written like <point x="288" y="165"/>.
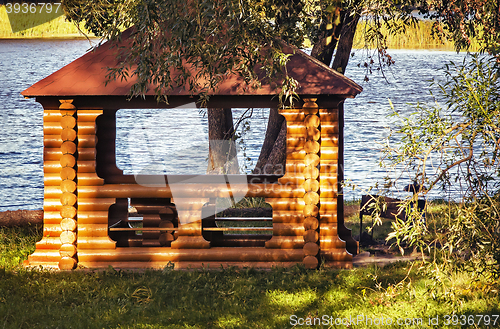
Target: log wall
<point x="312" y="183"/>
<point x="343" y="232"/>
<point x="93" y="208"/>
<point x="85" y="193"/>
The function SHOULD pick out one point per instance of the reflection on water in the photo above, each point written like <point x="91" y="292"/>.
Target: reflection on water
<point x="24" y="62"/>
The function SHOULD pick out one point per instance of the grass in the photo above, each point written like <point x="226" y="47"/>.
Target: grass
<point x="229" y="298"/>
<point x="16" y="244"/>
<point x="223" y="299"/>
<point x="380" y="232"/>
<point x="419" y="36"/>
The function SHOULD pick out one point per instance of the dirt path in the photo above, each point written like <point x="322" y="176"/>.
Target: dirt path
<point x="21" y="217"/>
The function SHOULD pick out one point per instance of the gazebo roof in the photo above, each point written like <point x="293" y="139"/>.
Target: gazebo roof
<point x="86" y="76"/>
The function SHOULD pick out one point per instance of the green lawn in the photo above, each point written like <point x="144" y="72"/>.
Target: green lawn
<point x="230" y="298"/>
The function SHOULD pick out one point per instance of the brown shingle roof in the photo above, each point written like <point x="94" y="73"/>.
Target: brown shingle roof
<point x="86" y="76"/>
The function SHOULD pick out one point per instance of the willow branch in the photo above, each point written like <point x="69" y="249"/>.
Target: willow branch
<point x="456" y="163"/>
<point x="439" y="140"/>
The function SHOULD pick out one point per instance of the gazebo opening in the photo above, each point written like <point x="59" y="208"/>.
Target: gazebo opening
<point x="145" y="141"/>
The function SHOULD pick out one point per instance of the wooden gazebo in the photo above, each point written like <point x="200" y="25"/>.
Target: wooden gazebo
<point x="87" y="198"/>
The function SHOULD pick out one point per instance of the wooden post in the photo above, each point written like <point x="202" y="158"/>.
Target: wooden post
<point x="68" y="237"/>
<point x="189" y="235"/>
<point x="106" y="148"/>
<point x="343" y="231"/>
<point x="311" y="184"/>
<point x="332" y="247"/>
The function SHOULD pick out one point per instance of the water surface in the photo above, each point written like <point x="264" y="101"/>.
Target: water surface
<point x="24" y="62"/>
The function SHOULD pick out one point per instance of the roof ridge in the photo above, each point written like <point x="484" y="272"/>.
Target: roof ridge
<point x="325" y="67"/>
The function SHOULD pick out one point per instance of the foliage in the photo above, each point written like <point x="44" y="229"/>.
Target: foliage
<point x="465" y="20"/>
<point x="204" y="41"/>
<point x="415" y="37"/>
<point x="201" y="40"/>
<point x="395" y="18"/>
<point x="456" y="149"/>
<point x="253" y="202"/>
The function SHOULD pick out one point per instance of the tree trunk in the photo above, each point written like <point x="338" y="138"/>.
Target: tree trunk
<point x="345" y="43"/>
<point x="277" y="159"/>
<point x="323" y="49"/>
<point x="222" y="147"/>
<point x="272" y="155"/>
<point x="21" y="218"/>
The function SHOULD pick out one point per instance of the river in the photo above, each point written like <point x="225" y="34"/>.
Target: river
<point x="24" y="62"/>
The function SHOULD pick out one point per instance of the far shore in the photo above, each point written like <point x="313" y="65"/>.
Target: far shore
<point x="57" y="28"/>
<point x="49" y="37"/>
<point x="418" y="38"/>
<point x="79" y="36"/>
